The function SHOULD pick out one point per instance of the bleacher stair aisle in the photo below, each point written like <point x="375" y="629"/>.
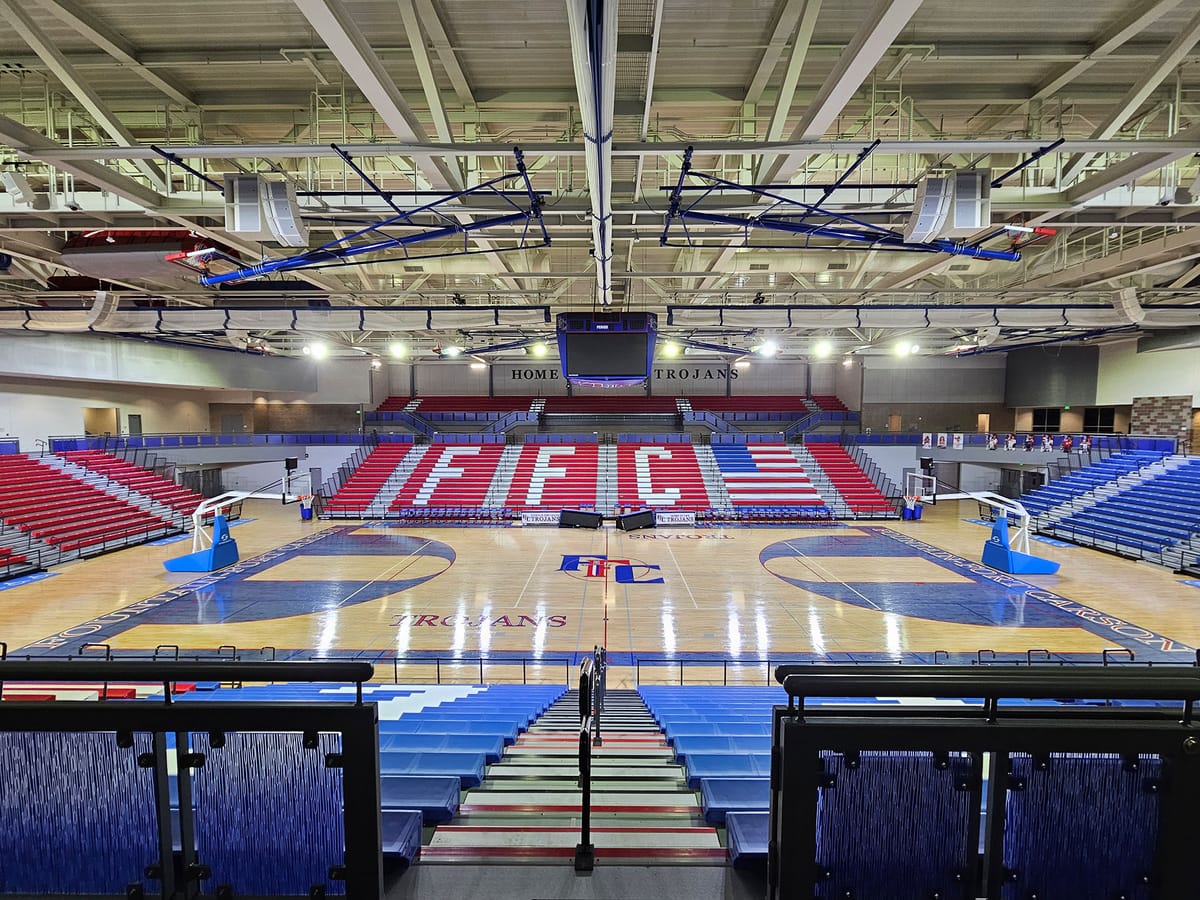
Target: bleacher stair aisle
<point x="642" y="810"/>
<point x="859" y="492"/>
<point x="68" y="513"/>
<point x="183" y="501"/>
<point x="359" y="490"/>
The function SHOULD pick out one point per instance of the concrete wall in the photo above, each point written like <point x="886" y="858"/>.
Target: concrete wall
<point x="1125" y="374"/>
<point x="1056" y="375"/>
<point x="893" y="461"/>
<point x="32" y="409"/>
<point x="251" y="476"/>
<point x="135" y="362"/>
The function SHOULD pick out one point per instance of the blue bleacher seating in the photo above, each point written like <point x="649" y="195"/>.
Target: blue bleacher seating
<point x="747" y="837"/>
<point x="491" y="746"/>
<point x="435" y="796"/>
<point x="402" y="834"/>
<point x="468" y="767"/>
<point x="721" y="796"/>
<point x="1107" y="470"/>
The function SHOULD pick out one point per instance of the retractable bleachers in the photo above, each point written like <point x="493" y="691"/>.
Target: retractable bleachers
<point x="722" y="735"/>
<point x="1063" y="490"/>
<point x="766" y="474"/>
<point x="829" y="403"/>
<point x="554" y="475"/>
<point x="796" y="403"/>
<point x="14" y="563"/>
<point x="138" y="478"/>
<point x="610" y="405"/>
<point x="661" y="476"/>
<point x="1146" y="517"/>
<point x="450" y="475"/>
<point x="861" y="494"/>
<point x="357" y="492"/>
<point x="469" y="404"/>
<point x="68" y="513"/>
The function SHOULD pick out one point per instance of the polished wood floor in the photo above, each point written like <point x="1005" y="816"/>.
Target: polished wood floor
<point x="722" y="600"/>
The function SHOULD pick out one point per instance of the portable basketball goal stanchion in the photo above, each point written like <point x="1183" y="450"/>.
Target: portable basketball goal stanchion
<point x="918" y="489"/>
<point x="216" y="549"/>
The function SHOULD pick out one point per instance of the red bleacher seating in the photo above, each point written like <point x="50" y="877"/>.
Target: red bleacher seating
<point x="610" y="405"/>
<point x="64" y="511"/>
<point x="10" y="559"/>
<point x="457" y="404"/>
<point x="772" y="403"/>
<point x="859" y="492"/>
<point x="660" y="475"/>
<point x="829" y="403"/>
<point x="135" y="477"/>
<point x="554" y="475"/>
<point x="357" y="492"/>
<point x="450" y="475"/>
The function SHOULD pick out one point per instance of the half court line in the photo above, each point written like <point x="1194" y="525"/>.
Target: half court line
<point x="819" y="570"/>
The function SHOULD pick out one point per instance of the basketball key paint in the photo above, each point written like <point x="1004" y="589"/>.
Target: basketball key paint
<point x="479" y="621"/>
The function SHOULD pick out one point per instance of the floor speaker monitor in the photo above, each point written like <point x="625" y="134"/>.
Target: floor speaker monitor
<point x="634" y="521"/>
<point x="573" y="518"/>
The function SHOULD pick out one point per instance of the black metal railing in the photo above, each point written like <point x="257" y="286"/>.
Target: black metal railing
<point x="591" y="701"/>
<point x="979" y="742"/>
<point x="179" y="872"/>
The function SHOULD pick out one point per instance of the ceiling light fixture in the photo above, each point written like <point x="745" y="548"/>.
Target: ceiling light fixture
<point x="540" y="349"/>
<point x="396" y="349"/>
<point x="822" y="349"/>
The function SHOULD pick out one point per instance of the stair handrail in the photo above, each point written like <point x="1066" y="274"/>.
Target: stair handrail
<point x="585" y="853"/>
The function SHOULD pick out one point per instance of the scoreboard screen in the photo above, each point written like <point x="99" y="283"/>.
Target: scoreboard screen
<point x="607" y="355"/>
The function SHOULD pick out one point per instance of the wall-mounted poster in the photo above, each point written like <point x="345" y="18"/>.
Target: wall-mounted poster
<point x="958" y="442"/>
<point x="927" y="441"/>
<point x="943" y="440"/>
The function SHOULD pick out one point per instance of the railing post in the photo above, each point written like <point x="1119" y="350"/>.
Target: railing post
<point x="585" y="853"/>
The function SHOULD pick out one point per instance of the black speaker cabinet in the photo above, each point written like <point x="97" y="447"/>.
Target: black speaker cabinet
<point x="634" y="521"/>
<point x="574" y="518"/>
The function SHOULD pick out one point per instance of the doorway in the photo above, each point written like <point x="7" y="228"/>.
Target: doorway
<point x="893" y="423"/>
<point x="232" y="424"/>
<point x="135" y="423"/>
<point x="101" y="420"/>
<point x="983" y="423"/>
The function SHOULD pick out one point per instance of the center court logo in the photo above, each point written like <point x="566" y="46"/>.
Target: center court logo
<point x="624" y="571"/>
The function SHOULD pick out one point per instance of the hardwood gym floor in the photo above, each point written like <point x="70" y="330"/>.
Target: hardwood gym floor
<point x="529" y="600"/>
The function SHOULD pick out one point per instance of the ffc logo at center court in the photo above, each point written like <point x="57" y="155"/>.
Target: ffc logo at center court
<point x="624" y="571"/>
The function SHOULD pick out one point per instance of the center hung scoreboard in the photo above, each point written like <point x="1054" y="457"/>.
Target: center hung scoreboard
<point x="606" y="349"/>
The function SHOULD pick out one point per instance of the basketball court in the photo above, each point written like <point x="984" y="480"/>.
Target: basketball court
<point x="716" y="603"/>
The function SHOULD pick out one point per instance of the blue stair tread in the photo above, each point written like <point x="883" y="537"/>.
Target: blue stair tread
<point x="731" y="765"/>
<point x="435" y="796"/>
<point x="402" y="833"/>
<point x="468" y="767"/>
<point x="747" y="835"/>
<point x="491" y="746"/>
<point x="721" y="796"/>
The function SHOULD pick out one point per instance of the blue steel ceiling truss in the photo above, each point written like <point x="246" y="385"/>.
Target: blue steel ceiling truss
<point x="436" y="219"/>
<point x="788" y="216"/>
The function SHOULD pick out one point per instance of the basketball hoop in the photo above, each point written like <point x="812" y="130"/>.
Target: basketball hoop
<point x="911" y="503"/>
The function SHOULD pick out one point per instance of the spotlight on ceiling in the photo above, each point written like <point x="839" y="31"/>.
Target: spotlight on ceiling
<point x="540" y="349"/>
<point x="671" y="349"/>
<point x="767" y="348"/>
<point x="822" y="349"/>
<point x="396" y="349"/>
<point x="904" y="348"/>
<point x="478" y="366"/>
<point x="847" y="362"/>
<point x="306" y="350"/>
<point x="451" y="351"/>
<point x="377" y="363"/>
<point x="319" y="350"/>
<point x="742" y="364"/>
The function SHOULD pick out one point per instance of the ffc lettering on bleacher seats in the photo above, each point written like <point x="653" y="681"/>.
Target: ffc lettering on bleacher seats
<point x="624" y="571"/>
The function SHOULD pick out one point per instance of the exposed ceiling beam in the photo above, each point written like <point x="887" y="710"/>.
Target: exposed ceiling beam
<point x="651" y="68"/>
<point x="787" y="93"/>
<point x="445" y="52"/>
<point x="1129" y="26"/>
<point x="337" y="29"/>
<point x="785" y="25"/>
<point x="433" y="98"/>
<point x="1186" y="278"/>
<point x="1130" y="169"/>
<point x="32" y="144"/>
<point x="424" y="149"/>
<point x="1151" y="78"/>
<point x="80" y="87"/>
<point x="116" y="47"/>
<point x="873" y="39"/>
